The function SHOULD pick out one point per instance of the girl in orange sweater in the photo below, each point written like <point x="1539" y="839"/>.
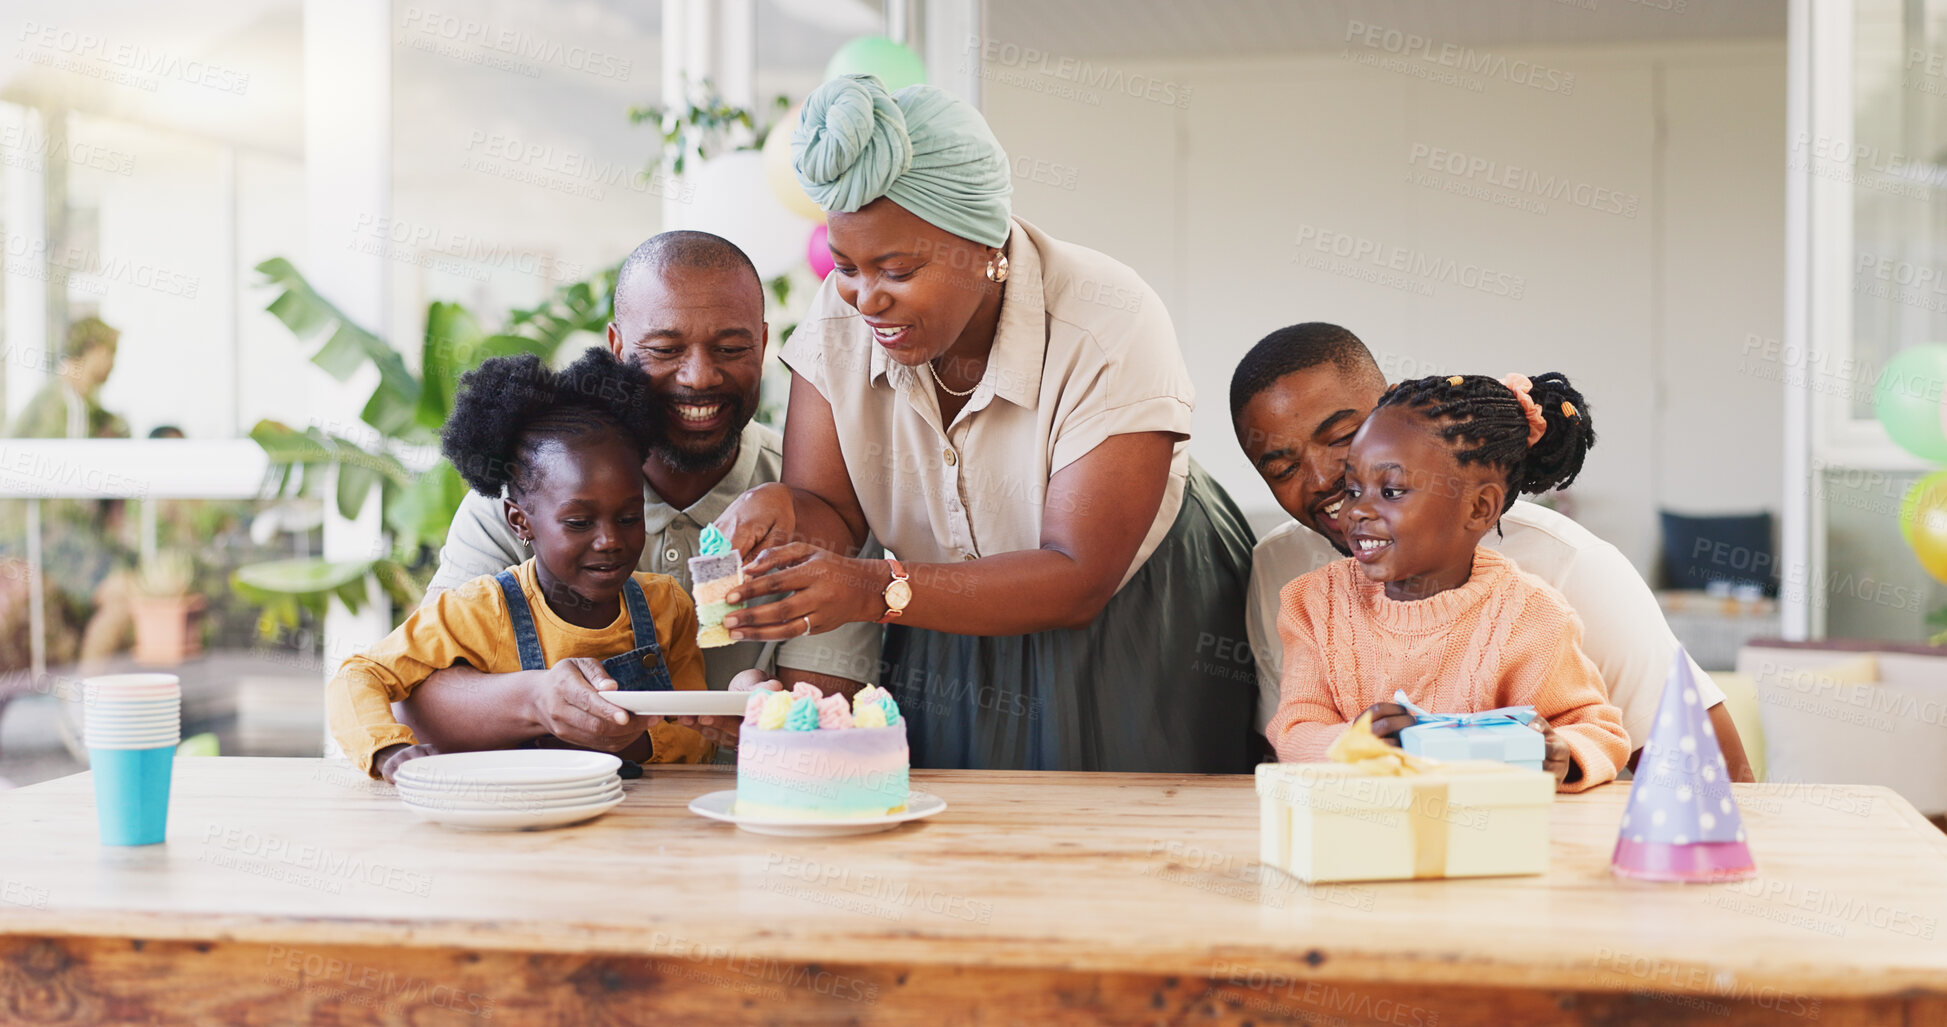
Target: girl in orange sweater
<point x="1421" y="606"/>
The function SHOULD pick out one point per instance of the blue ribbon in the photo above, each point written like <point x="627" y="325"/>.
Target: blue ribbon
<point x="1519" y="715"/>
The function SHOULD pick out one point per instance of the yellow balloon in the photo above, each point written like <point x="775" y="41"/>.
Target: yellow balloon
<point x="778" y="170"/>
<point x="1923" y="520"/>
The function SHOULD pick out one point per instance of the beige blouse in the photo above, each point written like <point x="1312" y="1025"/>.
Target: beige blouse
<point x="1084" y="350"/>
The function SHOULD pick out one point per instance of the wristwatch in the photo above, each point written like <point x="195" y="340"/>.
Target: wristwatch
<point x="898" y="594"/>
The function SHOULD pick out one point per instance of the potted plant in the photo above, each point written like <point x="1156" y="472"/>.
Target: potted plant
<point x="168" y="617"/>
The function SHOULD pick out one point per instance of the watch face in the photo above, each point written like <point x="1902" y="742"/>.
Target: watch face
<point x="898" y="594"/>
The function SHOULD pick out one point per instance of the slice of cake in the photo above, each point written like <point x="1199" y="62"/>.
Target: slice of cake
<point x="802" y="754"/>
<point x="712" y="575"/>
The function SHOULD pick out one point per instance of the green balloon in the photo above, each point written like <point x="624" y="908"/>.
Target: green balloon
<point x="895" y="65"/>
<point x="1908" y="400"/>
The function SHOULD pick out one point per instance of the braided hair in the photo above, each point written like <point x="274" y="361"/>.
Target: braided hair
<point x="508" y="408"/>
<point x="1486" y="425"/>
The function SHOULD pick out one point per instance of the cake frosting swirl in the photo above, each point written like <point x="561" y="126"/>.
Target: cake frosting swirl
<point x="803" y="754"/>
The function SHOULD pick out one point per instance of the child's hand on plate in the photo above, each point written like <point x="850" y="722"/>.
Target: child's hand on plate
<point x="723" y="730"/>
<point x="1388" y="720"/>
<point x="392" y="757"/>
<point x="567" y="704"/>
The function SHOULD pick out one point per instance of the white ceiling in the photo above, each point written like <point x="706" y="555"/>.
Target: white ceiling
<point x="1217" y="28"/>
<point x="263" y="39"/>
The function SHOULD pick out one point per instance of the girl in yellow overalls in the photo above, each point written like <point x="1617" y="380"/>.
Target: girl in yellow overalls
<point x="564" y="451"/>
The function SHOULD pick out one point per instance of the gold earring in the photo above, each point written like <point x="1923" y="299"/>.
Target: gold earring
<point x="997" y="267"/>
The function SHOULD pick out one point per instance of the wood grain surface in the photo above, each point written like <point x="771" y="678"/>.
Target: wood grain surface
<point x="296" y="890"/>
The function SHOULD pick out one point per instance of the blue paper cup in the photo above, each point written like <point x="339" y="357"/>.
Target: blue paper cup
<point x="132" y="793"/>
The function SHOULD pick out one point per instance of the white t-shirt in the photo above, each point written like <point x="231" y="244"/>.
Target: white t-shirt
<point x="1623" y="627"/>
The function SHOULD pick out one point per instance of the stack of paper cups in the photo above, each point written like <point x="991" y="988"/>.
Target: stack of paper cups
<point x="132" y="725"/>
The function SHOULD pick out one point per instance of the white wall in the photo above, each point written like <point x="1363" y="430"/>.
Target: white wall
<point x="160" y="272"/>
<point x="1647" y="312"/>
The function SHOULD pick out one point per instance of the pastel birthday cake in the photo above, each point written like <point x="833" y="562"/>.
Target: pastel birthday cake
<point x="712" y="575"/>
<point x="805" y="754"/>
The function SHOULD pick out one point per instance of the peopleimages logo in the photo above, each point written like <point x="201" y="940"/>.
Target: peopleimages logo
<point x="131" y="59"/>
<point x="1042" y="71"/>
<point x="1460" y="59"/>
<point x="1417" y="269"/>
<point x="1525" y="181"/>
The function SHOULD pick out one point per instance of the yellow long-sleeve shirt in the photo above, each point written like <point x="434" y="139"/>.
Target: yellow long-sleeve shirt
<point x="471" y="623"/>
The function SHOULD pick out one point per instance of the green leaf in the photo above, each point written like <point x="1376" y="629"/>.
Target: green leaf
<point x="421" y="513"/>
<point x="392" y="414"/>
<point x="286" y="445"/>
<point x="353" y="594"/>
<point x="399" y="586"/>
<point x="448" y="350"/>
<point x="355" y="483"/>
<point x="303" y="317"/>
<point x="342" y="354"/>
<point x="302" y="578"/>
<point x="308" y="314"/>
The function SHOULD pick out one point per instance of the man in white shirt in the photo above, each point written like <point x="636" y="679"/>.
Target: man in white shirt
<point x="1297" y="398"/>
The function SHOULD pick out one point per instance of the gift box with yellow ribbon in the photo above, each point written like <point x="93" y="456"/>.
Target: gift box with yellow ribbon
<point x="1378" y="814"/>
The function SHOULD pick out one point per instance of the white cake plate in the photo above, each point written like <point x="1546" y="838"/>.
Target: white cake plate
<point x="722" y="806"/>
<point x="681" y="703"/>
<point x="515" y="819"/>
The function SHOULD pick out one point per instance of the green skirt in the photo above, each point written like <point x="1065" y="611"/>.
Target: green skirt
<point x="1162" y="681"/>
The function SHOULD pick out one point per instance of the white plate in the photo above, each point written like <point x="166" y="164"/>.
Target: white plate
<point x="722" y="806"/>
<point x="464" y="787"/>
<point x="513" y="820"/>
<point x="519" y="802"/>
<point x="691" y="703"/>
<point x="509" y="767"/>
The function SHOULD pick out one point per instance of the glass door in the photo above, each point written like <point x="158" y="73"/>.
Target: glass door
<point x="1867" y="289"/>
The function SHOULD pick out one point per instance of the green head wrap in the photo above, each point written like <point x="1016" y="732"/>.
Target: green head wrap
<point x="926" y="149"/>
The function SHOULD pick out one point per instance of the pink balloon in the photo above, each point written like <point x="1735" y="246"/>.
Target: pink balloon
<point x="819" y="253"/>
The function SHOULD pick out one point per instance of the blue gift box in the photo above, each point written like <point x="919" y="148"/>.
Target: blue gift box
<point x="1501" y="734"/>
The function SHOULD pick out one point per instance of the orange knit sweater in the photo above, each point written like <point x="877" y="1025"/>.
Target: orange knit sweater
<point x="1505" y="638"/>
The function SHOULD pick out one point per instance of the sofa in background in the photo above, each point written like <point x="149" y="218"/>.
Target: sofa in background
<point x="1848" y="711"/>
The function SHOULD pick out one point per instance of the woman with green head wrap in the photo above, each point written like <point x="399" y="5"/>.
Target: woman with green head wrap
<point x="1009" y="415"/>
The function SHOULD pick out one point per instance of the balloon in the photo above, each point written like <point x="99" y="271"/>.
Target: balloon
<point x="777" y="168"/>
<point x="1908" y="400"/>
<point x="732" y="198"/>
<point x="819" y="253"/>
<point x="1923" y="521"/>
<point x="895" y="65"/>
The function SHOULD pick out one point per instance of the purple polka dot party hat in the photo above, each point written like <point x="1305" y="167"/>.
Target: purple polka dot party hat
<point x="1682" y="823"/>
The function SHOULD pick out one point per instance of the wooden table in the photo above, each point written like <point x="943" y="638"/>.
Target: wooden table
<point x="296" y="891"/>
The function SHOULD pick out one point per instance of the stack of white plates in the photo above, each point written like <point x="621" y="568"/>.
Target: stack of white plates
<point x="517" y="790"/>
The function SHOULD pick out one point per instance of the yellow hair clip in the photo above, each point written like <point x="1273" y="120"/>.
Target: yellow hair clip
<point x="1568" y="409"/>
<point x="1456" y="380"/>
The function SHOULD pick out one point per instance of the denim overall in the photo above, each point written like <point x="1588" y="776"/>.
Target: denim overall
<point x="630" y="670"/>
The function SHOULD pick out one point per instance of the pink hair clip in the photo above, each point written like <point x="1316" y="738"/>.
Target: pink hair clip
<point x="1522" y="387"/>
